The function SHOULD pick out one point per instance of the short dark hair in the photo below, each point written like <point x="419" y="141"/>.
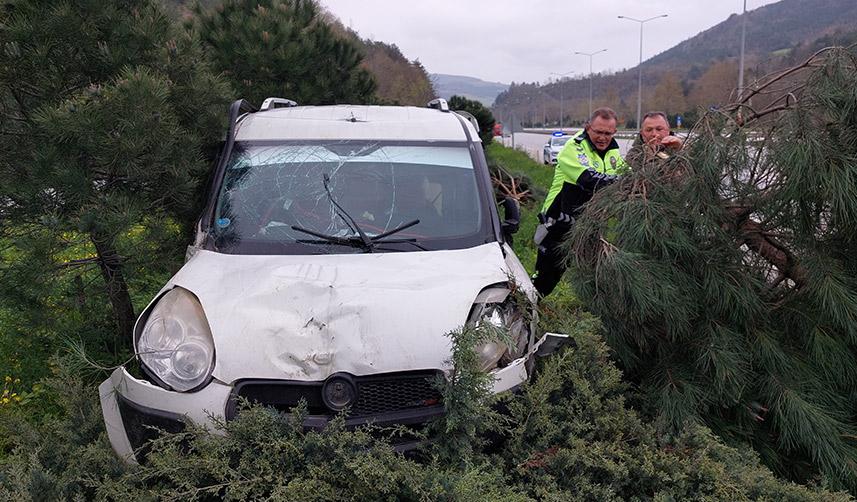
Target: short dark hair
<point x="649" y="115"/>
<point x="605" y="113"/>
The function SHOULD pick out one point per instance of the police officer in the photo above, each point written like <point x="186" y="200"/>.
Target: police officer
<point x="587" y="162"/>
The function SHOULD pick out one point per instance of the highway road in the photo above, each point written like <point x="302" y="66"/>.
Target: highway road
<point x="532" y="143"/>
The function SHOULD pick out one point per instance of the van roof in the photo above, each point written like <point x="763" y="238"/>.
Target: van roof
<point x="361" y="122"/>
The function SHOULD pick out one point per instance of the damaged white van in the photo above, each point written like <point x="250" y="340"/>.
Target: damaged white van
<point x="339" y="247"/>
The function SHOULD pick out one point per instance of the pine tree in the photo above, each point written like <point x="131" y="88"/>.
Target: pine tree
<point x="726" y="276"/>
<point x="107" y="110"/>
<point x="283" y="48"/>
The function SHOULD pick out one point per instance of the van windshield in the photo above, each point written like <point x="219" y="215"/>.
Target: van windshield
<point x="279" y="198"/>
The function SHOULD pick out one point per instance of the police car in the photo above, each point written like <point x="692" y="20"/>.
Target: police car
<point x="339" y="247"/>
<point x="553" y="146"/>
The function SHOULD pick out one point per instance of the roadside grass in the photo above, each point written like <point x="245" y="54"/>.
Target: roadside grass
<point x="555" y="306"/>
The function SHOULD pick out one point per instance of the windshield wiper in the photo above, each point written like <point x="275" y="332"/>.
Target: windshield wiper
<point x="354" y="241"/>
<point x="395" y="230"/>
<point x="367" y="243"/>
<point x="380" y="238"/>
<point x="361" y="240"/>
<point x="358" y="241"/>
<point x="412" y="242"/>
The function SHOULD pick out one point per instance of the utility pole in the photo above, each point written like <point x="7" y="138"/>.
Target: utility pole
<point x="561" y="111"/>
<point x="590" y="54"/>
<point x="741" y="59"/>
<point x="640" y="65"/>
<point x="512" y="126"/>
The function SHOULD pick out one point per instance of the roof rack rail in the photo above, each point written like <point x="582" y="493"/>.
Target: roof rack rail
<point x="438" y="104"/>
<point x="469" y="116"/>
<point x="271" y="103"/>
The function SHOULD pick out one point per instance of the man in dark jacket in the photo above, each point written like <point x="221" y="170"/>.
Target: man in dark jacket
<point x="654" y="141"/>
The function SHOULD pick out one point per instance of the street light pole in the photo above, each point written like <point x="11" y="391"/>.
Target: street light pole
<point x="741" y="59"/>
<point x="640" y="65"/>
<point x="544" y="107"/>
<point x="561" y="75"/>
<point x="590" y="54"/>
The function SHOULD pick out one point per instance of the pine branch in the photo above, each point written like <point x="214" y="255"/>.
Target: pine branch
<point x="74" y="264"/>
<point x="779" y="76"/>
<point x="752" y="234"/>
<point x="19" y="100"/>
<point x="15" y="118"/>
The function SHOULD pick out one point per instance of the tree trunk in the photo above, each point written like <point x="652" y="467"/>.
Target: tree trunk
<point x="117" y="291"/>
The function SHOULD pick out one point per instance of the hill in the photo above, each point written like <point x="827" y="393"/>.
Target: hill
<point x="781" y="26"/>
<point x="469" y="87"/>
<point x="699" y="72"/>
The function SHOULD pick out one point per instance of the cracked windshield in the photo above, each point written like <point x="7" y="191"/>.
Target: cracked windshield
<point x="341" y="195"/>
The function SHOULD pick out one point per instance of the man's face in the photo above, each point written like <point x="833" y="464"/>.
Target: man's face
<point x="601" y="132"/>
<point x="654" y="130"/>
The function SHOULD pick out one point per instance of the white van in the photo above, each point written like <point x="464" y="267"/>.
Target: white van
<point x="339" y="248"/>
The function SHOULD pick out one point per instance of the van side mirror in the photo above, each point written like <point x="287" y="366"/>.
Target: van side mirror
<point x="511" y="218"/>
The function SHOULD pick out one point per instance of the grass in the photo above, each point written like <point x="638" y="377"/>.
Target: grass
<point x="518" y="163"/>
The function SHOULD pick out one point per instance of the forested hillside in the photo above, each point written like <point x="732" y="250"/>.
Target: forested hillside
<point x="698" y="73"/>
<point x="398" y="79"/>
<point x="789" y="25"/>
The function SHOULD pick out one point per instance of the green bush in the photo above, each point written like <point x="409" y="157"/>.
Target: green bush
<point x="567" y="436"/>
<point x="573" y="437"/>
<point x="54" y="447"/>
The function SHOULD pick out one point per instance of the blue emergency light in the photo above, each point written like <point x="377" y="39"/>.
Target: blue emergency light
<point x="558" y="133"/>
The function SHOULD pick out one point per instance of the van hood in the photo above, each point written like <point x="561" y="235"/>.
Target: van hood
<point x="307" y="317"/>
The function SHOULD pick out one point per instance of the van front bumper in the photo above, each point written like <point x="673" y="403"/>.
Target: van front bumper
<point x="134" y="410"/>
<point x="131" y="407"/>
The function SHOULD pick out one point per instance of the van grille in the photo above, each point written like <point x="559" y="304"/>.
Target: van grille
<point x="376" y="394"/>
<point x="375" y="397"/>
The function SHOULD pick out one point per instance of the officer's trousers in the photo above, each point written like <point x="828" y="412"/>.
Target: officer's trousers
<point x="550" y="260"/>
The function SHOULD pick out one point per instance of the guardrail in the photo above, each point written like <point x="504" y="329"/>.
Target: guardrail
<point x="571" y="131"/>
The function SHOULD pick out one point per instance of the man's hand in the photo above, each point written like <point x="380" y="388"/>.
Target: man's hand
<point x="671" y="142"/>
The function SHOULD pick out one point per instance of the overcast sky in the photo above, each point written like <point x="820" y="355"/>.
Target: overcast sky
<point x="527" y="40"/>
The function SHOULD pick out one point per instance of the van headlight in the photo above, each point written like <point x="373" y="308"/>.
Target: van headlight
<point x="175" y="344"/>
<point x="495" y="311"/>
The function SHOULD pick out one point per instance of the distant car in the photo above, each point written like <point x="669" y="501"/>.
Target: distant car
<point x="552" y="148"/>
<point x="339" y="246"/>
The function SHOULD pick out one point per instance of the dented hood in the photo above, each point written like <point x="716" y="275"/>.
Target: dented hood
<point x="307" y="317"/>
